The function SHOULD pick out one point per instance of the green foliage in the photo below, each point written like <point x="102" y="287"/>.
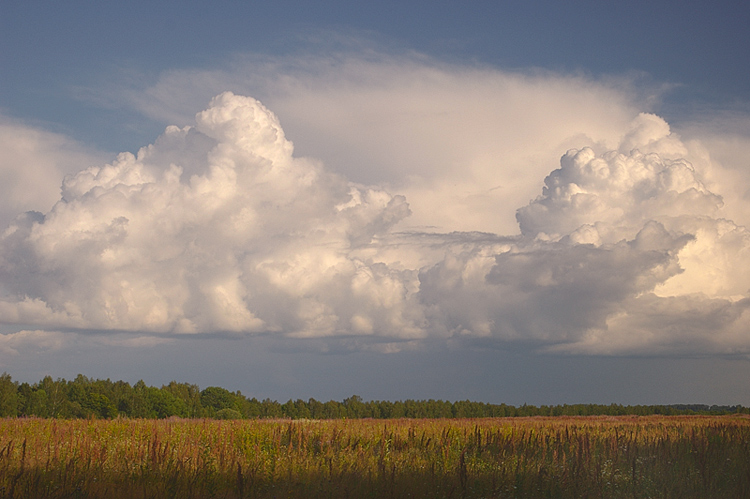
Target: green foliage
<point x="8" y="396"/>
<point x="228" y="414"/>
<point x="215" y="399"/>
<point x="36" y="403"/>
<point x="104" y="399"/>
<point x="189" y="395"/>
<point x="100" y="406"/>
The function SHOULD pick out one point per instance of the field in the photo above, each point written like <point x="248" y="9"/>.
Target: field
<point x="628" y="457"/>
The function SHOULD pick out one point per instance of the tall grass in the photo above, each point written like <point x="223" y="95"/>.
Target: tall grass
<point x="680" y="457"/>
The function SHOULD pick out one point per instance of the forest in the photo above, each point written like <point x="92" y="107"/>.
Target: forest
<point x="88" y="398"/>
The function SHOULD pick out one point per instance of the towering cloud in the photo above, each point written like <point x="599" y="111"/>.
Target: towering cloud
<point x="621" y="253"/>
<point x="217" y="228"/>
<point x="214" y="228"/>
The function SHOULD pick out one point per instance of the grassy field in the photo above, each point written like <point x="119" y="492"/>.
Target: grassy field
<point x="629" y="457"/>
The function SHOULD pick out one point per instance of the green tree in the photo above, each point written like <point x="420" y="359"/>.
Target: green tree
<point x="289" y="409"/>
<point x="9" y="399"/>
<point x="228" y="414"/>
<point x="354" y="407"/>
<point x="189" y="394"/>
<point x="317" y="409"/>
<point x="215" y="398"/>
<point x="270" y="409"/>
<point x="100" y="406"/>
<point x="250" y="408"/>
<point x="58" y="405"/>
<point x="36" y="403"/>
<point x="164" y="404"/>
<point x="140" y="404"/>
<point x="88" y="397"/>
<point x="78" y="394"/>
<point x="24" y="392"/>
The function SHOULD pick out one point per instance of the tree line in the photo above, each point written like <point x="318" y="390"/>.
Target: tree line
<point x="84" y="397"/>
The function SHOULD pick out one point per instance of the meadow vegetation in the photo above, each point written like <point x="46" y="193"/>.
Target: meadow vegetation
<point x="564" y="457"/>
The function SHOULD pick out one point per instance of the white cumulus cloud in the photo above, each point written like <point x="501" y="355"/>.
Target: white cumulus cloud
<point x="219" y="228"/>
<point x="215" y="227"/>
<point x="623" y="252"/>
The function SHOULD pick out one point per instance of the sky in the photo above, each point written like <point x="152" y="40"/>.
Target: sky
<point x="507" y="202"/>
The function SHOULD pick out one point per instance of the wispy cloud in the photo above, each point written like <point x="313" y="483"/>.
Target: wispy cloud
<point x="34" y="340"/>
<point x="32" y="164"/>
